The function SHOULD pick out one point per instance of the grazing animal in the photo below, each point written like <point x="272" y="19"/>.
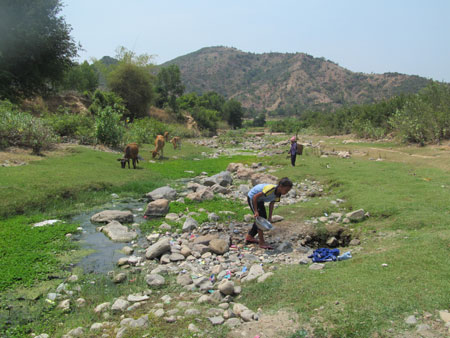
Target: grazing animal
<point x="131" y="152"/>
<point x="176" y="142"/>
<point x="166" y="136"/>
<point x="159" y="146"/>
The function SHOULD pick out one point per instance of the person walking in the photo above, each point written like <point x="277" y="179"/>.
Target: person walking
<point x="293" y="150"/>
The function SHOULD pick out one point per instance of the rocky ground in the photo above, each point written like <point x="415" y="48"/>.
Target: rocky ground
<point x="209" y="261"/>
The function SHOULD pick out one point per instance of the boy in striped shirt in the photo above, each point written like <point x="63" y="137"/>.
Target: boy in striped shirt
<point x="256" y="198"/>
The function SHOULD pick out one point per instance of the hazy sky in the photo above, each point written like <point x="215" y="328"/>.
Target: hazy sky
<point x="405" y="36"/>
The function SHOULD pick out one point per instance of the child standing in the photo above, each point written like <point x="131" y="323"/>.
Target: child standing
<point x="293" y="150"/>
<point x="256" y="198"/>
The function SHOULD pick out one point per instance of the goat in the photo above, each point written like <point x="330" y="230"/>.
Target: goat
<point x="159" y="146"/>
<point x="131" y="152"/>
<point x="176" y="141"/>
<point x="166" y="136"/>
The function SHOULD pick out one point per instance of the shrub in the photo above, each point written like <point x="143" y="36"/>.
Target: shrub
<point x="206" y="119"/>
<point x="22" y="129"/>
<point x="68" y="124"/>
<point x="101" y="100"/>
<point x="108" y="128"/>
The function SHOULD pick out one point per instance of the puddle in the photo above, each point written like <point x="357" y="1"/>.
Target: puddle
<point x="106" y="252"/>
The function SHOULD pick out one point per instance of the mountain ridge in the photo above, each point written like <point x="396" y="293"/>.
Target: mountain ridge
<point x="286" y="83"/>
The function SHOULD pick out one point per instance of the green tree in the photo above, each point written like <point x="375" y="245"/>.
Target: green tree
<point x="233" y="113"/>
<point x="35" y="47"/>
<point x="169" y="86"/>
<point x="81" y="78"/>
<point x="260" y="120"/>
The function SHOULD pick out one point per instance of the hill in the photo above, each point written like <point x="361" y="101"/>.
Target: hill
<point x="286" y="83"/>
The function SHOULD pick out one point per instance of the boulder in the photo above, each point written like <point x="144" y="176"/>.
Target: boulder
<point x="118" y="232"/>
<point x="107" y="216"/>
<point x="157" y="208"/>
<point x="218" y="246"/>
<point x="154" y="279"/>
<point x="190" y="224"/>
<point x="162" y="193"/>
<point x="158" y="249"/>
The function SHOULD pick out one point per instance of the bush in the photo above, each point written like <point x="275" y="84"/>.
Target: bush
<point x="206" y="119"/>
<point x="108" y="128"/>
<point x="22" y="129"/>
<point x="69" y="125"/>
<point x="101" y="100"/>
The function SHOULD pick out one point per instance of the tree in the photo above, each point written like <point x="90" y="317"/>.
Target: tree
<point x="169" y="86"/>
<point x="130" y="78"/>
<point x="81" y="78"/>
<point x="232" y="111"/>
<point x="35" y="47"/>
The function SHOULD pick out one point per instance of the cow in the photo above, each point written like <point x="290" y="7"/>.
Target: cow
<point x="176" y="141"/>
<point x="159" y="146"/>
<point x="131" y="152"/>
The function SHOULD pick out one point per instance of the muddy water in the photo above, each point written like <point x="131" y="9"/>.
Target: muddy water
<point x="106" y="252"/>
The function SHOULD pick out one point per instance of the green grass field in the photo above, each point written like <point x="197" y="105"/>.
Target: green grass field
<point x="408" y="229"/>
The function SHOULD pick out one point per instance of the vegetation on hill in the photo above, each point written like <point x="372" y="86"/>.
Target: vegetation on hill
<point x="421" y="118"/>
<point x="286" y="84"/>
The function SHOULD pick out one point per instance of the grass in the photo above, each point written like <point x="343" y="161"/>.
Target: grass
<point x="358" y="298"/>
<point x="408" y="230"/>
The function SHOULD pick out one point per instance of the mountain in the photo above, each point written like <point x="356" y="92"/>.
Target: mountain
<point x="287" y="83"/>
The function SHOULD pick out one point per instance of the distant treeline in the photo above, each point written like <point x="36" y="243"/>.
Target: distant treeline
<point x="420" y="118"/>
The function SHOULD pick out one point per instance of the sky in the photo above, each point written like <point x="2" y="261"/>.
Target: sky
<point x="369" y="36"/>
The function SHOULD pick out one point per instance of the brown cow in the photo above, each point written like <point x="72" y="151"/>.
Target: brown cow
<point x="176" y="142"/>
<point x="166" y="136"/>
<point x="131" y="152"/>
<point x="159" y="146"/>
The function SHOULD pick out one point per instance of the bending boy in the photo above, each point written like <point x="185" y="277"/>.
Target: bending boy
<point x="256" y="198"/>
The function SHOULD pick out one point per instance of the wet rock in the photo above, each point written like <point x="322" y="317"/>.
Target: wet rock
<point x="120" y="305"/>
<point x="118" y="232"/>
<point x="355" y="216"/>
<point x="107" y="216"/>
<point x="218" y="246"/>
<point x="154" y="280"/>
<point x="162" y="193"/>
<point x="189" y="225"/>
<point x="157" y="208"/>
<point x="158" y="249"/>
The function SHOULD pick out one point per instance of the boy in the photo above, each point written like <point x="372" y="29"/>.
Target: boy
<point x="293" y="150"/>
<point x="256" y="197"/>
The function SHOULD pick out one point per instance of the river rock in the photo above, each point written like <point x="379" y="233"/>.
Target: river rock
<point x="190" y="224"/>
<point x="217" y="320"/>
<point x="185" y="251"/>
<point x="157" y="208"/>
<point x="244" y="173"/>
<point x="258" y="178"/>
<point x="137" y="298"/>
<point x="162" y="193"/>
<point x="356" y="216"/>
<point x="120" y="305"/>
<point x="226" y="287"/>
<point x="445" y="316"/>
<point x="102" y="307"/>
<point x="154" y="279"/>
<point x="223" y="178"/>
<point x="218" y="246"/>
<point x="201" y="195"/>
<point x="233" y="323"/>
<point x="107" y="216"/>
<point x="119" y="278"/>
<point x="172" y="216"/>
<point x="176" y="257"/>
<point x="411" y="320"/>
<point x="78" y="332"/>
<point x="158" y="249"/>
<point x="184" y="279"/>
<point x="233" y="167"/>
<point x="118" y="232"/>
<point x="64" y="305"/>
<point x="255" y="271"/>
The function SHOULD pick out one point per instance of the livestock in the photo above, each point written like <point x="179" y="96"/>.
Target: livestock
<point x="166" y="136"/>
<point x="159" y="146"/>
<point x="176" y="141"/>
<point x="131" y="152"/>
